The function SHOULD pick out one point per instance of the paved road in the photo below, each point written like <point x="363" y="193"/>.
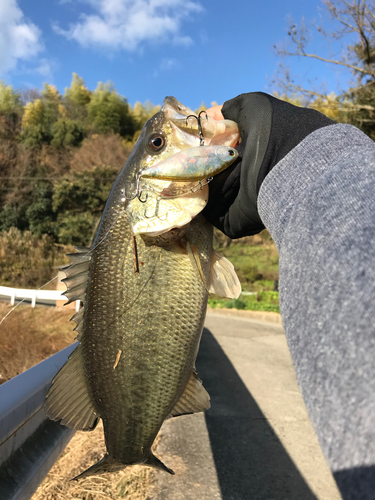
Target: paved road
<point x="256" y="442"/>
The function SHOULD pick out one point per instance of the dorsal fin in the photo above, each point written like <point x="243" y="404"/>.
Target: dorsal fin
<point x="77" y="274"/>
<point x="79" y="267"/>
<point x="78" y="319"/>
<point x="78" y="257"/>
<point x="68" y="398"/>
<point x="75" y="279"/>
<point x="223" y="278"/>
<point x="194" y="399"/>
<point x="77" y="292"/>
<point x="83" y="249"/>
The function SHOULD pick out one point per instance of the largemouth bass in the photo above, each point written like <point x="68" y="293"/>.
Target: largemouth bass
<point x="145" y="287"/>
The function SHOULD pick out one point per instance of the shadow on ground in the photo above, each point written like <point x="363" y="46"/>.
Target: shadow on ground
<point x="250" y="460"/>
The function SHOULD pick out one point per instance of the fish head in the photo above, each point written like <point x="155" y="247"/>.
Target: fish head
<point x="156" y="206"/>
<point x="173" y="129"/>
<point x="166" y="133"/>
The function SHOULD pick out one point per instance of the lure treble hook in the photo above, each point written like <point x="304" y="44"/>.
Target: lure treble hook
<point x="198" y="118"/>
<point x="138" y="192"/>
<point x="201" y="184"/>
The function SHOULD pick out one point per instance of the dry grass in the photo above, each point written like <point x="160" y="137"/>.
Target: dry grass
<point x="27" y="336"/>
<point x="85" y="449"/>
<point x="100" y="151"/>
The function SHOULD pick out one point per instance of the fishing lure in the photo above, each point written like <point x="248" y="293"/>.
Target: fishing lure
<point x="193" y="164"/>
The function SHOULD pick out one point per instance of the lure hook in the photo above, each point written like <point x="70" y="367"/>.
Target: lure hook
<point x="140" y="197"/>
<point x="198" y="118"/>
<point x="200" y="185"/>
<point x="138" y="193"/>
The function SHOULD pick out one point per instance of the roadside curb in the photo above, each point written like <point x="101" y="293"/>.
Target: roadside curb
<point x="271" y="317"/>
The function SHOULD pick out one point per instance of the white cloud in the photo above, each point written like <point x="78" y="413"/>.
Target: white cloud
<point x="165" y="65"/>
<point x="19" y="38"/>
<point x="45" y="68"/>
<point x="125" y="24"/>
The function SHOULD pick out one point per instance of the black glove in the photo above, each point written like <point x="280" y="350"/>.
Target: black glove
<point x="269" y="130"/>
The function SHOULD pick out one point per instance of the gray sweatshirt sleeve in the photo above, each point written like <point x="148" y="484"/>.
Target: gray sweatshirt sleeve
<point x="319" y="206"/>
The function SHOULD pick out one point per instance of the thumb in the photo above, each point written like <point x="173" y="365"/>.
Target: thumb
<point x="215" y="112"/>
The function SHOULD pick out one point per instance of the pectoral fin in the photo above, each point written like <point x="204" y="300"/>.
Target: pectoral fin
<point x="68" y="398"/>
<point x="194" y="399"/>
<point x="196" y="262"/>
<point x="223" y="278"/>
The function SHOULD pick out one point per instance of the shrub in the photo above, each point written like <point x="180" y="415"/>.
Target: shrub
<point x="66" y="132"/>
<point x="27" y="261"/>
<point x="262" y="301"/>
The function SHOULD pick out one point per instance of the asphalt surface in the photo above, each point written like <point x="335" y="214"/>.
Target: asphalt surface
<point x="256" y="442"/>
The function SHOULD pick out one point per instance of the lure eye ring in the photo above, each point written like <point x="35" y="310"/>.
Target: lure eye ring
<point x="156" y="143"/>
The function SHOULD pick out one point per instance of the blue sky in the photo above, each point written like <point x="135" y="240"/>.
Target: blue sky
<point x="207" y="50"/>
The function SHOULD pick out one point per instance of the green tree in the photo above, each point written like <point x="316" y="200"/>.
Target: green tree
<point x="10" y="130"/>
<point x="10" y="102"/>
<point x="78" y="92"/>
<point x="52" y="104"/>
<point x="10" y="112"/>
<point x="40" y="115"/>
<point x="143" y="112"/>
<point x="79" y="203"/>
<point x="108" y="112"/>
<point x="27" y="260"/>
<point x="76" y="99"/>
<point x="33" y="211"/>
<point x="39" y="214"/>
<point x="12" y="216"/>
<point x="66" y="132"/>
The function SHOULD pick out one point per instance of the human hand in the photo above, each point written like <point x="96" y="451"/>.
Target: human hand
<point x="269" y="129"/>
<point x="215" y="112"/>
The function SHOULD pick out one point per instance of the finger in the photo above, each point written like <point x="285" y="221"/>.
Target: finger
<point x="215" y="112"/>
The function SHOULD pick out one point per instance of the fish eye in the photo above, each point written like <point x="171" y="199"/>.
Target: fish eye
<point x="231" y="152"/>
<point x="156" y="142"/>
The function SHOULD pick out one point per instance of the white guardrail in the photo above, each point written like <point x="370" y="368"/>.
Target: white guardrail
<point x="36" y="296"/>
<point x="44" y="296"/>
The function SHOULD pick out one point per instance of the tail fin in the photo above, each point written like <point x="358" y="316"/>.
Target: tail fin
<point x="153" y="461"/>
<point x="109" y="464"/>
<point x="106" y="464"/>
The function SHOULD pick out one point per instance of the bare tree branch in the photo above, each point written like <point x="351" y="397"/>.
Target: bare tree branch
<point x="331" y="61"/>
<point x="354" y="18"/>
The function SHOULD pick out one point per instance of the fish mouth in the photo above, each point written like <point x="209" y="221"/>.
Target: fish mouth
<point x="187" y="126"/>
<point x="183" y="121"/>
<point x="173" y="109"/>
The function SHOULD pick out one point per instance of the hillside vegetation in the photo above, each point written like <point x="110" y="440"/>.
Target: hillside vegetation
<point x="60" y="154"/>
<point x="256" y="261"/>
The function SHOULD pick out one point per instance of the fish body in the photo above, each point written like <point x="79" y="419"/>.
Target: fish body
<point x="145" y="297"/>
<point x="155" y="321"/>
